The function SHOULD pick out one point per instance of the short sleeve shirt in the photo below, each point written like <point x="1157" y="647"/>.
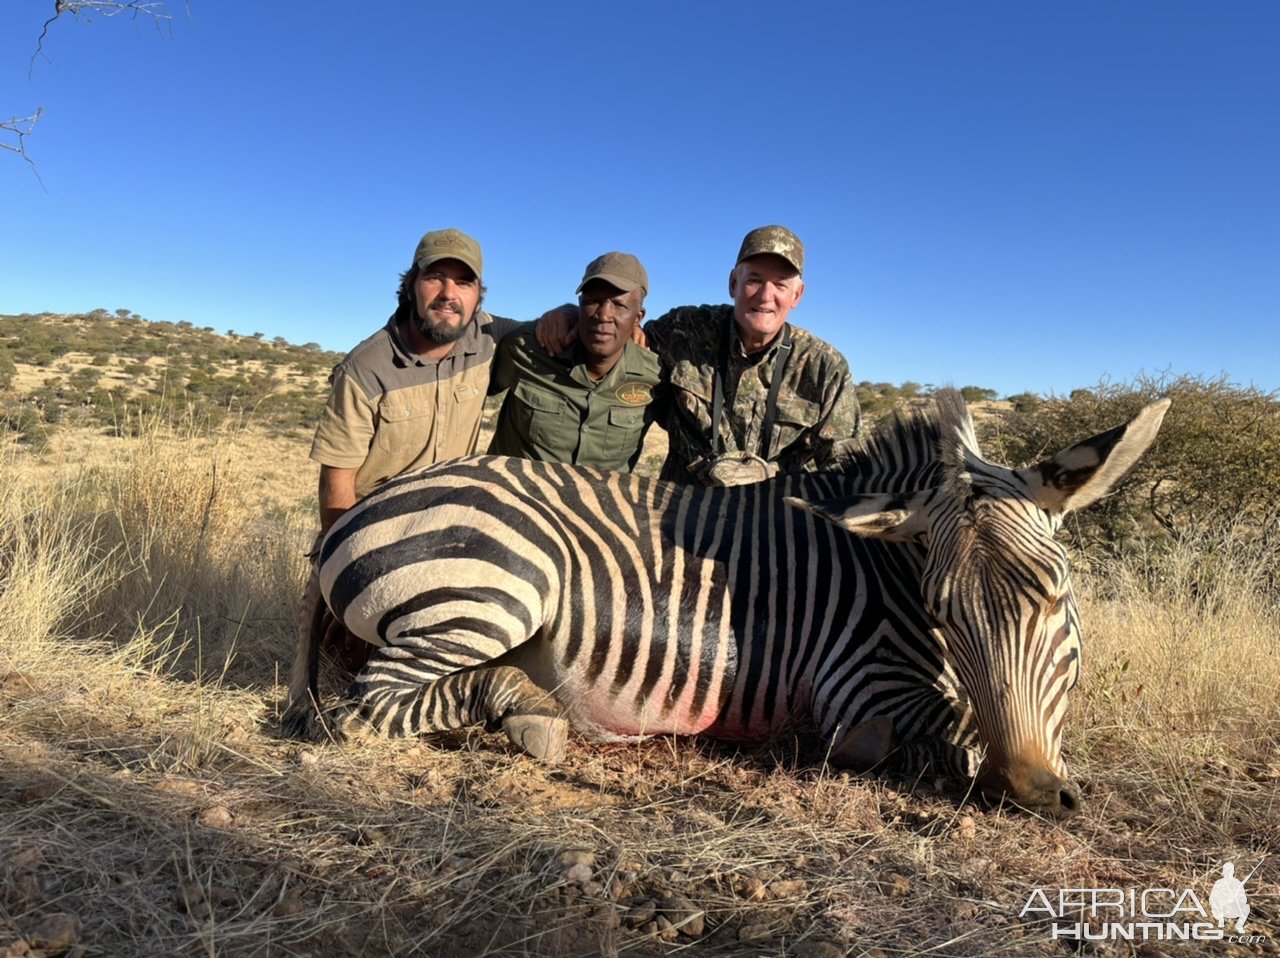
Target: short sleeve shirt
<point x="556" y="413"/>
<point x="817" y="421"/>
<point x="390" y="411"/>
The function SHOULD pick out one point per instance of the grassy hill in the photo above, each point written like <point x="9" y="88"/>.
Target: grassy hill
<point x="95" y="368"/>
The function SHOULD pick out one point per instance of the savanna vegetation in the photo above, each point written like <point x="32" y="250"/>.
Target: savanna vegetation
<point x="151" y="565"/>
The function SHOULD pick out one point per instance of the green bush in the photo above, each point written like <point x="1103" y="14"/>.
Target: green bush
<point x="1215" y="463"/>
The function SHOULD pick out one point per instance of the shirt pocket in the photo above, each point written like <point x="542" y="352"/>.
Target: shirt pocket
<point x="541" y="416"/>
<point x="691" y="392"/>
<point x="622" y="436"/>
<point x="793" y="423"/>
<point x="403" y="427"/>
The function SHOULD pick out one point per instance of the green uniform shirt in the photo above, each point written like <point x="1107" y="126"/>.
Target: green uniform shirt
<point x="554" y="412"/>
<point x="817" y="420"/>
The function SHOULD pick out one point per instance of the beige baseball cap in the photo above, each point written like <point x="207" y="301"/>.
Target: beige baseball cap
<point x="777" y="240"/>
<point x="618" y="269"/>
<point x="449" y="244"/>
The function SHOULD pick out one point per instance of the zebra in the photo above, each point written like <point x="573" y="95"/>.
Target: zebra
<point x="914" y="607"/>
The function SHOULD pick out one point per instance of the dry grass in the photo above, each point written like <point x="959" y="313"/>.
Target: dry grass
<point x="147" y="601"/>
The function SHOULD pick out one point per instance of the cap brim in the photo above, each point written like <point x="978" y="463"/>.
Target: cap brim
<point x="626" y="285"/>
<point x="464" y="260"/>
<point x="770" y="252"/>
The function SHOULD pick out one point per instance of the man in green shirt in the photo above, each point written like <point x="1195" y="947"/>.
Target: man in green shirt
<point x="591" y="404"/>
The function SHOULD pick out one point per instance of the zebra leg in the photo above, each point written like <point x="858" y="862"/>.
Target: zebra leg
<point x="936" y="756"/>
<point x="865" y="746"/>
<point x="393" y="697"/>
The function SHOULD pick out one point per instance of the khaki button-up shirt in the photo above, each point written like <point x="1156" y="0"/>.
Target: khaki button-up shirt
<point x="391" y="411"/>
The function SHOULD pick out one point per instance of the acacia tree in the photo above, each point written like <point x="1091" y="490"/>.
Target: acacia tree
<point x="15" y="130"/>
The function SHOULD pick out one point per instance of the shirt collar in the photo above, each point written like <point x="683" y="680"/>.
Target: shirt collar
<point x="468" y="343"/>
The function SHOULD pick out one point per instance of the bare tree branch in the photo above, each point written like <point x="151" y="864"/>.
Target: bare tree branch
<point x="83" y="10"/>
<point x="19" y="128"/>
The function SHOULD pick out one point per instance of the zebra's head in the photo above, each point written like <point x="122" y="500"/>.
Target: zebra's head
<point x="996" y="584"/>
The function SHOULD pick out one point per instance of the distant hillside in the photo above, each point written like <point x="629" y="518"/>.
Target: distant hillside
<point x="93" y="368"/>
<point x="102" y="368"/>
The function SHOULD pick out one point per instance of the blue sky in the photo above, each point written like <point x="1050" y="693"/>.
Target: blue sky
<point x="1011" y="195"/>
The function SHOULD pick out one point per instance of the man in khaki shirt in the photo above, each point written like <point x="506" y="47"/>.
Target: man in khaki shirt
<point x="412" y="394"/>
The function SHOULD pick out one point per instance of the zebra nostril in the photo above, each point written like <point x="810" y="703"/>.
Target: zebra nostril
<point x="1069" y="800"/>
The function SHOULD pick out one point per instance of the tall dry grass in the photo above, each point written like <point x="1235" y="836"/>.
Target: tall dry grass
<point x="147" y="601"/>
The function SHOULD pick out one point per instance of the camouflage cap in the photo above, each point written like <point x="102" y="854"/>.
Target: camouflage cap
<point x="618" y="269"/>
<point x="449" y="244"/>
<point x="777" y="240"/>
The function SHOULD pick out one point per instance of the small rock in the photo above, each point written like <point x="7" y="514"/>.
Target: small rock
<point x="966" y="827"/>
<point x="178" y="786"/>
<point x="216" y="816"/>
<point x="578" y="873"/>
<point x="290" y="904"/>
<point x="576" y="856"/>
<point x="793" y="888"/>
<point x="593" y="889"/>
<point x="754" y="933"/>
<point x="222" y="895"/>
<point x="817" y="949"/>
<point x="684" y="916"/>
<point x="649" y="928"/>
<point x="666" y="931"/>
<point x="370" y="836"/>
<point x="56" y="934"/>
<point x="639" y="911"/>
<point x="895" y="885"/>
<point x="308" y="757"/>
<point x="750" y="888"/>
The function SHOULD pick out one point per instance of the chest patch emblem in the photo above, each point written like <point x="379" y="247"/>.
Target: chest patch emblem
<point x="635" y="394"/>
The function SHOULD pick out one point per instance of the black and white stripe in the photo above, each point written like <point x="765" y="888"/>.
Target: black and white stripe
<point x="941" y="630"/>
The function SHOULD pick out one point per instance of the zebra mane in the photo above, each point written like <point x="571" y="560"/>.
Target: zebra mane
<point x="917" y="448"/>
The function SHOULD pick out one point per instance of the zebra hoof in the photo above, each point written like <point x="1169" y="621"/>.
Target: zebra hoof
<point x="302" y="723"/>
<point x="542" y="736"/>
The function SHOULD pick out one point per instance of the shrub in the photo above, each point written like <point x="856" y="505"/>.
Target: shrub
<point x="1216" y="461"/>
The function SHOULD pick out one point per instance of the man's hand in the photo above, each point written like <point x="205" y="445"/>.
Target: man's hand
<point x="557" y="329"/>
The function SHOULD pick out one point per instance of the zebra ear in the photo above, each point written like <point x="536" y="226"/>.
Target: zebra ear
<point x="874" y="515"/>
<point x="1082" y="474"/>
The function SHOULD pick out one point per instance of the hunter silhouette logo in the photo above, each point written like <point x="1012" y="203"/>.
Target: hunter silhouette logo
<point x="1228" y="898"/>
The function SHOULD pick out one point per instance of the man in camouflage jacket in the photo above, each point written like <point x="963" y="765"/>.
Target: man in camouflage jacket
<point x="816" y="421"/>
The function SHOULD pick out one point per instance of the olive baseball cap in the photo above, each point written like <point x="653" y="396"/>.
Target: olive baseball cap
<point x="449" y="244"/>
<point x="777" y="240"/>
<point x="618" y="269"/>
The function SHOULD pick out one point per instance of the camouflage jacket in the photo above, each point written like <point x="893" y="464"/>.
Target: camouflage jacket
<point x="817" y="421"/>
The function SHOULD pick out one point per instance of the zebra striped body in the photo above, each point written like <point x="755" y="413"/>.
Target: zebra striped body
<point x="649" y="608"/>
